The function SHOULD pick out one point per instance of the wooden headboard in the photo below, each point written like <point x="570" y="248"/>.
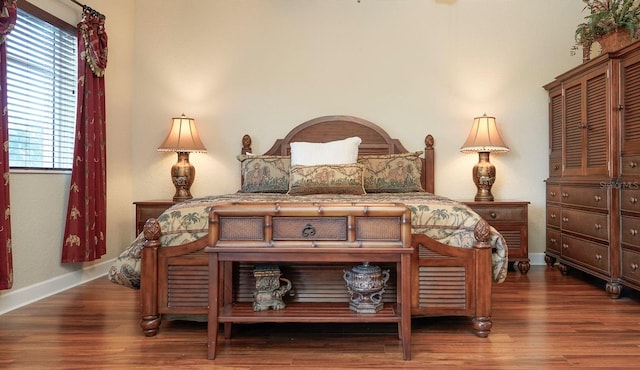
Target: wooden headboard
<point x="374" y="140"/>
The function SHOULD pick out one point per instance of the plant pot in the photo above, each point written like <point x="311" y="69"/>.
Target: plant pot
<point x="614" y="40"/>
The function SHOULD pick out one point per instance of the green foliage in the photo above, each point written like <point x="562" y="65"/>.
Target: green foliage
<point x="606" y="16"/>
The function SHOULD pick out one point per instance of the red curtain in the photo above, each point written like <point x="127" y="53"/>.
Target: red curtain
<point x="8" y="16"/>
<point x="86" y="223"/>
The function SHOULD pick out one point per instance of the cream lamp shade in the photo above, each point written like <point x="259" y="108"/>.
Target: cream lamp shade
<point x="182" y="138"/>
<point x="483" y="139"/>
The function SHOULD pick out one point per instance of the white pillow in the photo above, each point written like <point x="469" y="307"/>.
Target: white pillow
<point x="343" y="151"/>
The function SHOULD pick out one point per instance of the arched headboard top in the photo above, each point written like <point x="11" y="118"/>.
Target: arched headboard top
<point x="375" y="140"/>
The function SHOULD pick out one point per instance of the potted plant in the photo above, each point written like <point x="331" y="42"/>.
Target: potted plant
<point x="611" y="23"/>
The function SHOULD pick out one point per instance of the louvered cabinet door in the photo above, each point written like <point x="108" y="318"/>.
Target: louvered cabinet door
<point x="596" y="151"/>
<point x="630" y="115"/>
<point x="555" y="132"/>
<point x="573" y="129"/>
<point x="586" y="125"/>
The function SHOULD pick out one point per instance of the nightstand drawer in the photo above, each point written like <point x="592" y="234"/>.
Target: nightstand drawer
<point x="501" y="214"/>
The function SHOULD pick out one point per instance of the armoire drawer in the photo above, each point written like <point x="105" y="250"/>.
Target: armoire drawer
<point x="585" y="196"/>
<point x="554" y="238"/>
<point x="590" y="254"/>
<point x="630" y="265"/>
<point x="630" y="199"/>
<point x="555" y="167"/>
<point x="630" y="230"/>
<point x="630" y="165"/>
<point x="586" y="223"/>
<point x="553" y="216"/>
<point x="553" y="193"/>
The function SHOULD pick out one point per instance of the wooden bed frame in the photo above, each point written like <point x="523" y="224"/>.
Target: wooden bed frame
<point x="445" y="280"/>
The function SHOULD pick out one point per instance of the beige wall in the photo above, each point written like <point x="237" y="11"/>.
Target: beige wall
<point x="262" y="66"/>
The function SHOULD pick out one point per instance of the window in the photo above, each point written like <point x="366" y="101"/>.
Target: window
<point x="41" y="91"/>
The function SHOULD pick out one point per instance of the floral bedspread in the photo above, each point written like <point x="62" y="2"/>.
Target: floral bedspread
<point x="440" y="218"/>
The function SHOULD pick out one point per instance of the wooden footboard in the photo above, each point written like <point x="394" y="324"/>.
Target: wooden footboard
<point x="446" y="281"/>
<point x="450" y="281"/>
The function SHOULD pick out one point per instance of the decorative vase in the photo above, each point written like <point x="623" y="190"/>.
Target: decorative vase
<point x="365" y="284"/>
<point x="614" y="40"/>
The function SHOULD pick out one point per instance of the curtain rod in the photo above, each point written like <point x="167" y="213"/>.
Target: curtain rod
<point x="89" y="9"/>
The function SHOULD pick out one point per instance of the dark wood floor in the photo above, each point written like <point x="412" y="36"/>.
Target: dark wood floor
<point x="542" y="320"/>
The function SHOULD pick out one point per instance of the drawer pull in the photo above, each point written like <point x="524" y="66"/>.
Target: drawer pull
<point x="556" y="167"/>
<point x="308" y="231"/>
<point x="553" y="216"/>
<point x="598" y="226"/>
<point x="597" y="198"/>
<point x="598" y="257"/>
<point x="553" y="194"/>
<point x="553" y="241"/>
<point x="565" y="195"/>
<point x="633" y="232"/>
<point x="634" y="266"/>
<point x="633" y="200"/>
<point x="633" y="164"/>
<point x="565" y="246"/>
<point x="565" y="219"/>
<point x="493" y="215"/>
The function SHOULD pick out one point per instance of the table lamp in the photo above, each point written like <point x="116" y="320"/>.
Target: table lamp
<point x="484" y="138"/>
<point x="183" y="139"/>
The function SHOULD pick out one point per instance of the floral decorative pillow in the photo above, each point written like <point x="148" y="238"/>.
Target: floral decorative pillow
<point x="343" y="151"/>
<point x="326" y="179"/>
<point x="264" y="173"/>
<point x="392" y="173"/>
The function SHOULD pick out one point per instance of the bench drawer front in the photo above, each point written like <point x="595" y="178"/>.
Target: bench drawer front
<point x="378" y="228"/>
<point x="310" y="228"/>
<point x="242" y="228"/>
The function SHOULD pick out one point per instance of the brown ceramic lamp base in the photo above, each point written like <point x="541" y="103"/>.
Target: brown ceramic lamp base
<point x="182" y="174"/>
<point x="484" y="175"/>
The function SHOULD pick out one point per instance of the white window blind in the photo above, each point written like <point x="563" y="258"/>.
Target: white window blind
<point x="41" y="92"/>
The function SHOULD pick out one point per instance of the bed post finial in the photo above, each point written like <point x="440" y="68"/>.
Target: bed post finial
<point x="428" y="142"/>
<point x="428" y="170"/>
<point x="246" y="144"/>
<point x="482" y="231"/>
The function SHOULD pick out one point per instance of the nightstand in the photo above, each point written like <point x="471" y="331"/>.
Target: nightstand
<point x="149" y="208"/>
<point x="510" y="218"/>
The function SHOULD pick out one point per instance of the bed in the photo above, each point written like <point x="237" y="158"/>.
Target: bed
<point x="457" y="255"/>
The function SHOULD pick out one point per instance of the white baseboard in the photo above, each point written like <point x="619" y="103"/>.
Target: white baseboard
<point x="12" y="300"/>
<point x="537" y="259"/>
